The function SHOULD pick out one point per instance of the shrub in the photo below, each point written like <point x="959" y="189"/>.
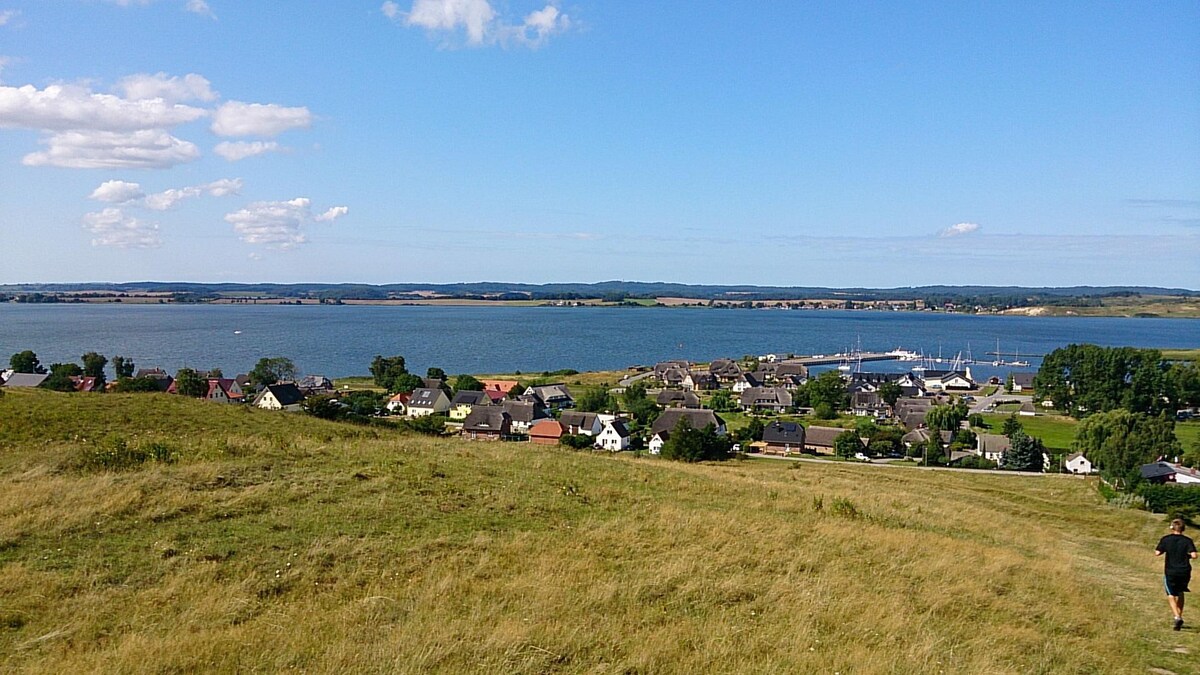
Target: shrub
<point x="430" y="425"/>
<point x="1163" y="498"/>
<point x="116" y="454"/>
<point x="577" y="441"/>
<point x="845" y="508"/>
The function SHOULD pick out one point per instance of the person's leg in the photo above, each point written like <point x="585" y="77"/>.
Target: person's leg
<point x="1176" y="606"/>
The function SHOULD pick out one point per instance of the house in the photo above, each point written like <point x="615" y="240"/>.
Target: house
<point x="725" y="371"/>
<point x="226" y="390"/>
<point x="523" y="414"/>
<point x="745" y="381"/>
<point x="24" y="380"/>
<point x="398" y="404"/>
<point x="552" y="396"/>
<point x="781" y="438"/>
<point x="1077" y="463"/>
<point x="662" y="367"/>
<point x="546" y="432"/>
<point x="992" y="446"/>
<point x="766" y="398"/>
<point x="870" y="382"/>
<point x="948" y="380"/>
<point x="657" y="441"/>
<point x="791" y="369"/>
<point x="868" y="404"/>
<point x="919" y="437"/>
<point x="437" y="383"/>
<point x="700" y="381"/>
<point x="465" y="401"/>
<point x="1022" y="381"/>
<point x="674" y="377"/>
<point x="1166" y="472"/>
<point x="160" y="377"/>
<point x="281" y="396"/>
<point x="699" y="418"/>
<point x="312" y="385"/>
<point x="502" y="387"/>
<point x="671" y="398"/>
<point x="428" y="401"/>
<point x="84" y="383"/>
<point x="614" y="437"/>
<point x="586" y="423"/>
<point x="911" y="412"/>
<point x="1027" y="410"/>
<point x="486" y="423"/>
<point x="819" y="439"/>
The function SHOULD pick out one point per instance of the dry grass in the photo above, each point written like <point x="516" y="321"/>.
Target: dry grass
<point x="333" y="550"/>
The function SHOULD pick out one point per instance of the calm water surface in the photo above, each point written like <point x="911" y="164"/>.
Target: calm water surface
<point x="342" y="340"/>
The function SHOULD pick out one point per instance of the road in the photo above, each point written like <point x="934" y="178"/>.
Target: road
<point x="981" y="405"/>
<point x="815" y="460"/>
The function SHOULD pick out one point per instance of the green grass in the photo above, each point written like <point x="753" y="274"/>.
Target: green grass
<point x="1056" y="432"/>
<point x="1188" y="434"/>
<point x="277" y="542"/>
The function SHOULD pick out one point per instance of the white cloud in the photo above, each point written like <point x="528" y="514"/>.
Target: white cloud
<point x="111" y="227"/>
<point x="7" y="15"/>
<point x="190" y="87"/>
<point x="959" y="229"/>
<point x="238" y="150"/>
<point x="69" y="107"/>
<point x="236" y="118"/>
<point x="200" y="7"/>
<point x="279" y="224"/>
<point x="145" y="149"/>
<point x="117" y="192"/>
<point x="479" y="21"/>
<point x="167" y="199"/>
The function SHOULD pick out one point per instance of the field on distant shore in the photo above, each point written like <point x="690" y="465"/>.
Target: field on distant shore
<point x="275" y="541"/>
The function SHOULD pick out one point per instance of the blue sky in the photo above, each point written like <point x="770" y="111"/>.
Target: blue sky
<point x="780" y="143"/>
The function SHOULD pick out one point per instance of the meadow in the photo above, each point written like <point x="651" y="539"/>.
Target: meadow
<point x="256" y="541"/>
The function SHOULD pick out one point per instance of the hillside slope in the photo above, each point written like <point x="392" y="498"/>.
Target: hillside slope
<point x="278" y="541"/>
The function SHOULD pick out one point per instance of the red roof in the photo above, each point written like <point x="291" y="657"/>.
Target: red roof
<point x="547" y="429"/>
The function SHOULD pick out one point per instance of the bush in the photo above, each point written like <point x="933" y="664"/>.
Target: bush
<point x="115" y="454"/>
<point x="1163" y="498"/>
<point x="430" y="425"/>
<point x="577" y="441"/>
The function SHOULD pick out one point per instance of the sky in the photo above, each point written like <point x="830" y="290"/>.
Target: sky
<point x="776" y="143"/>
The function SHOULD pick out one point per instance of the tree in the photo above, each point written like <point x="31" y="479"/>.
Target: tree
<point x="26" y="362"/>
<point x="386" y="369"/>
<point x="595" y="399"/>
<point x="890" y="392"/>
<point x="1025" y="453"/>
<point x="135" y="385"/>
<point x="123" y="367"/>
<point x="577" y="441"/>
<point x="824" y="411"/>
<point x="751" y="432"/>
<point x="1009" y="384"/>
<point x="430" y="425"/>
<point x="828" y="388"/>
<point x="1118" y="442"/>
<point x="324" y="407"/>
<point x="721" y="401"/>
<point x="887" y="440"/>
<point x="1012" y="426"/>
<point x="866" y="427"/>
<point x="1183" y="384"/>
<point x="1084" y="379"/>
<point x="687" y="444"/>
<point x="60" y="377"/>
<point x="847" y="443"/>
<point x="946" y="417"/>
<point x="189" y="383"/>
<point x="93" y="366"/>
<point x="270" y="370"/>
<point x="405" y="383"/>
<point x="435" y="374"/>
<point x="933" y="448"/>
<point x="467" y="383"/>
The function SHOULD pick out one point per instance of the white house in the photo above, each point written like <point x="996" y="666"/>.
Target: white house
<point x="398" y="404"/>
<point x="946" y="380"/>
<point x="284" y="396"/>
<point x="656" y="442"/>
<point x="586" y="423"/>
<point x="614" y="437"/>
<point x="428" y="401"/>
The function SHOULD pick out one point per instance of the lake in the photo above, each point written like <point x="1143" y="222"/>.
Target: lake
<point x="341" y="340"/>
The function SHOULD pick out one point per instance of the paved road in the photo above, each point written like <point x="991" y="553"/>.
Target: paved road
<point x="905" y="465"/>
<point x="981" y="404"/>
<point x="634" y="378"/>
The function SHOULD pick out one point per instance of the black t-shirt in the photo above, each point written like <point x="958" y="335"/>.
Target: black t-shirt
<point x="1177" y="549"/>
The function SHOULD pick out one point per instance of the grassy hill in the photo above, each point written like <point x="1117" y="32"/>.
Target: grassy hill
<point x="273" y="541"/>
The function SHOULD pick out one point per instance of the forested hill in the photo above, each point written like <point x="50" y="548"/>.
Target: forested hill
<point x="632" y="289"/>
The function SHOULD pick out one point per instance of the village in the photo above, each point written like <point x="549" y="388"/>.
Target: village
<point x="781" y="409"/>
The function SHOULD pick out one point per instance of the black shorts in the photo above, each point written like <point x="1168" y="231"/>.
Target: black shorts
<point x="1176" y="583"/>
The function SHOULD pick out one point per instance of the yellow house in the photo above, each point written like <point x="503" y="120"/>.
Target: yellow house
<point x="466" y="401"/>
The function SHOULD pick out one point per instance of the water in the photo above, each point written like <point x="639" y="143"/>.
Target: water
<point x="341" y="340"/>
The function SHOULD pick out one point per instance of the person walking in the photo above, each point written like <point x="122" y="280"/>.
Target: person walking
<point x="1179" y="551"/>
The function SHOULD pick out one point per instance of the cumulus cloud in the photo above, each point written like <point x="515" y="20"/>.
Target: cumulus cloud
<point x="117" y="192"/>
<point x="959" y="229"/>
<point x="236" y="118"/>
<point x="190" y="87"/>
<point x="146" y="149"/>
<point x="112" y="227"/>
<point x="131" y="194"/>
<point x="235" y="151"/>
<point x="479" y="21"/>
<point x="200" y="7"/>
<point x="279" y="224"/>
<point x="69" y="107"/>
